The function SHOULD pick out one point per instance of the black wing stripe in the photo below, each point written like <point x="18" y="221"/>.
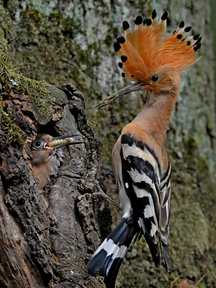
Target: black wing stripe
<point x="142" y="166"/>
<point x="149" y="192"/>
<point x="142" y="151"/>
<point x="155" y="156"/>
<point x="130" y="140"/>
<point x="144" y="196"/>
<point x="139" y="177"/>
<point x="143" y="207"/>
<point x="165" y="181"/>
<point x="165" y="213"/>
<point x="146" y="187"/>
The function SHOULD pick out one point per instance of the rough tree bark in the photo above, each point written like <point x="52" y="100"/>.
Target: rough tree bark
<point x="47" y="235"/>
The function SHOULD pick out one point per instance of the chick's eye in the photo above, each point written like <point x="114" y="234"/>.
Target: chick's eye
<point x="154" y="78"/>
<point x="37" y="144"/>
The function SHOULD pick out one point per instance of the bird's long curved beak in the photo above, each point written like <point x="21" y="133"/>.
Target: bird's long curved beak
<point x="130" y="88"/>
<point x="61" y="141"/>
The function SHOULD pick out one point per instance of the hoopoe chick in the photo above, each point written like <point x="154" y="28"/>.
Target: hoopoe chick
<point x="140" y="163"/>
<point x="47" y="155"/>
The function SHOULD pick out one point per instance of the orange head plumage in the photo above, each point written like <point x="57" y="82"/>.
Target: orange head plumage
<point x="151" y="59"/>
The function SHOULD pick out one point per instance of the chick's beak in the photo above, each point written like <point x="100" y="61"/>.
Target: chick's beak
<point x="130" y="88"/>
<point x="61" y="141"/>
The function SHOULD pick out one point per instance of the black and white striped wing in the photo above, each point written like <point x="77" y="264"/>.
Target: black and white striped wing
<point x="165" y="192"/>
<point x="141" y="176"/>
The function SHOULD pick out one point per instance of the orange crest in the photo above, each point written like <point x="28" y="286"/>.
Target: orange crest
<point x="146" y="48"/>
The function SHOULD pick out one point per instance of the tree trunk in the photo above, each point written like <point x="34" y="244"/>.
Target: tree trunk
<point x="47" y="235"/>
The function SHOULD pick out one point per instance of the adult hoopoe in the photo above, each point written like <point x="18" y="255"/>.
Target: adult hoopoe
<point x="140" y="163"/>
<point x="46" y="155"/>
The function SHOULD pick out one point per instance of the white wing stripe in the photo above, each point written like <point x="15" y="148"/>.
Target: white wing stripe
<point x="139" y="177"/>
<point x="153" y="230"/>
<point x="166" y="180"/>
<point x="149" y="211"/>
<point x="140" y="193"/>
<point x="143" y="154"/>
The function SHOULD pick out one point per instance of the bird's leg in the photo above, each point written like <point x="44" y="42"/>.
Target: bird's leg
<point x="101" y="193"/>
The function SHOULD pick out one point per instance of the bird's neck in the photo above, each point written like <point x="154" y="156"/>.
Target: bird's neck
<point x="155" y="115"/>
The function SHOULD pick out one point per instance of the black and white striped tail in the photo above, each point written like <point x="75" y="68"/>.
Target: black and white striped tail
<point x="109" y="256"/>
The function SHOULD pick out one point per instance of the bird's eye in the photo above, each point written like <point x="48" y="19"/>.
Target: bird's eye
<point x="37" y="144"/>
<point x="154" y="78"/>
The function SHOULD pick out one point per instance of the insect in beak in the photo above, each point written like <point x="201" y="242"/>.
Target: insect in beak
<point x="130" y="88"/>
<point x="61" y="141"/>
